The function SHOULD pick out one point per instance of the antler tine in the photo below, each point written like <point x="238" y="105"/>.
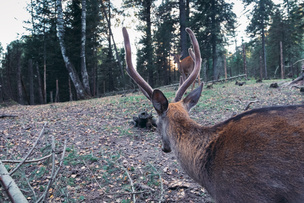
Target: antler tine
<point x="197" y="60"/>
<point x="143" y="85"/>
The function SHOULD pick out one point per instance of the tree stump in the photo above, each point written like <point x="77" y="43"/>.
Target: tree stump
<point x="144" y="120"/>
<point x="274" y="85"/>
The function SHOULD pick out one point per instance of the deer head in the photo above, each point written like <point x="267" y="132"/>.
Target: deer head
<point x="257" y="156"/>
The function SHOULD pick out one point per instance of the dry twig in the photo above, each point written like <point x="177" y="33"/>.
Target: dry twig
<point x="29" y="153"/>
<point x="28" y="183"/>
<point x="92" y="174"/>
<point x="248" y="105"/>
<point x="4" y="116"/>
<point x="53" y="170"/>
<point x="29" y="161"/>
<point x="131" y="182"/>
<point x="54" y="173"/>
<point x="161" y="184"/>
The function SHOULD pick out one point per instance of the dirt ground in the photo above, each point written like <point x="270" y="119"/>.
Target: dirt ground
<point x="108" y="159"/>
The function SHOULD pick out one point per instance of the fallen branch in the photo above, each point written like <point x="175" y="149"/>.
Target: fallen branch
<point x="161" y="184"/>
<point x="92" y="174"/>
<point x="53" y="170"/>
<point x="29" y="161"/>
<point x="126" y="193"/>
<point x="4" y="116"/>
<point x="32" y="189"/>
<point x="29" y="153"/>
<point x="10" y="186"/>
<point x="248" y="105"/>
<point x="131" y="182"/>
<point x="230" y="78"/>
<point x="61" y="159"/>
<point x="54" y="173"/>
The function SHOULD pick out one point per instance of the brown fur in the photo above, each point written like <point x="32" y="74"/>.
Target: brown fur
<point x="256" y="156"/>
<point x="185" y="67"/>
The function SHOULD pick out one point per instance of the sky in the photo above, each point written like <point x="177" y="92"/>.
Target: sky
<point x="13" y="13"/>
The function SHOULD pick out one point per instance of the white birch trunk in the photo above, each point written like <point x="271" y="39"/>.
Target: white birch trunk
<point x="10" y="186"/>
<point x="84" y="72"/>
<point x="81" y="94"/>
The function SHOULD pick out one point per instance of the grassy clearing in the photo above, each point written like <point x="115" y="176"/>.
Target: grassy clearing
<point x="107" y="158"/>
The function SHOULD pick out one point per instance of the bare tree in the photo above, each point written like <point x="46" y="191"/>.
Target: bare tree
<point x="80" y="90"/>
<point x="84" y="72"/>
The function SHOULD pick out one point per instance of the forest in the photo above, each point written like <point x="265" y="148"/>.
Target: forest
<point x="86" y="143"/>
<point x="72" y="53"/>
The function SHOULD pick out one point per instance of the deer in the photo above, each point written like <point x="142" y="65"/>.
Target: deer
<point x="185" y="67"/>
<point x="256" y="156"/>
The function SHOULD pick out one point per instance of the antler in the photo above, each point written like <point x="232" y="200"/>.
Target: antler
<point x="196" y="56"/>
<point x="143" y="85"/>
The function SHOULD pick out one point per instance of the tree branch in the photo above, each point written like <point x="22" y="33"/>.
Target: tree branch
<point x="4" y="116"/>
<point x="248" y="105"/>
<point x="29" y="161"/>
<point x="10" y="186"/>
<point x="29" y="153"/>
<point x="54" y="174"/>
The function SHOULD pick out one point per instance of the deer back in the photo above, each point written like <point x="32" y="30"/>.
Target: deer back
<point x="187" y="65"/>
<point x="257" y="156"/>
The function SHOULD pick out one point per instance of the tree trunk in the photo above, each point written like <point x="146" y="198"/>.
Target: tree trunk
<point x="149" y="43"/>
<point x="111" y="84"/>
<point x="261" y="67"/>
<point x="84" y="72"/>
<point x="205" y="71"/>
<point x="70" y="90"/>
<point x="19" y="82"/>
<point x="51" y="96"/>
<point x="264" y="52"/>
<point x="39" y="85"/>
<point x="263" y="39"/>
<point x="213" y="41"/>
<point x="244" y="60"/>
<point x="57" y="92"/>
<point x="25" y="92"/>
<point x="10" y="186"/>
<point x="183" y="34"/>
<point x="44" y="63"/>
<point x="80" y="91"/>
<point x="115" y="48"/>
<point x="282" y="64"/>
<point x="1" y="87"/>
<point x="44" y="81"/>
<point x="31" y="81"/>
<point x="225" y="67"/>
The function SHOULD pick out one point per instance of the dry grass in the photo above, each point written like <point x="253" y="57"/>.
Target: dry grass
<point x="108" y="159"/>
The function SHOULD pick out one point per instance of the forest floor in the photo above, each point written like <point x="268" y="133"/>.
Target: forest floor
<point x="107" y="158"/>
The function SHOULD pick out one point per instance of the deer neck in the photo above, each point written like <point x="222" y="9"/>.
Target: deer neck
<point x="188" y="141"/>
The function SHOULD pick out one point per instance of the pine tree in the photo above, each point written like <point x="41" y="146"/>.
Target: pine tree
<point x="262" y="11"/>
<point x="210" y="20"/>
<point x="164" y="38"/>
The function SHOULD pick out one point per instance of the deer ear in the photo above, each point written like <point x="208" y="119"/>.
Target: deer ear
<point x="159" y="102"/>
<point x="193" y="97"/>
